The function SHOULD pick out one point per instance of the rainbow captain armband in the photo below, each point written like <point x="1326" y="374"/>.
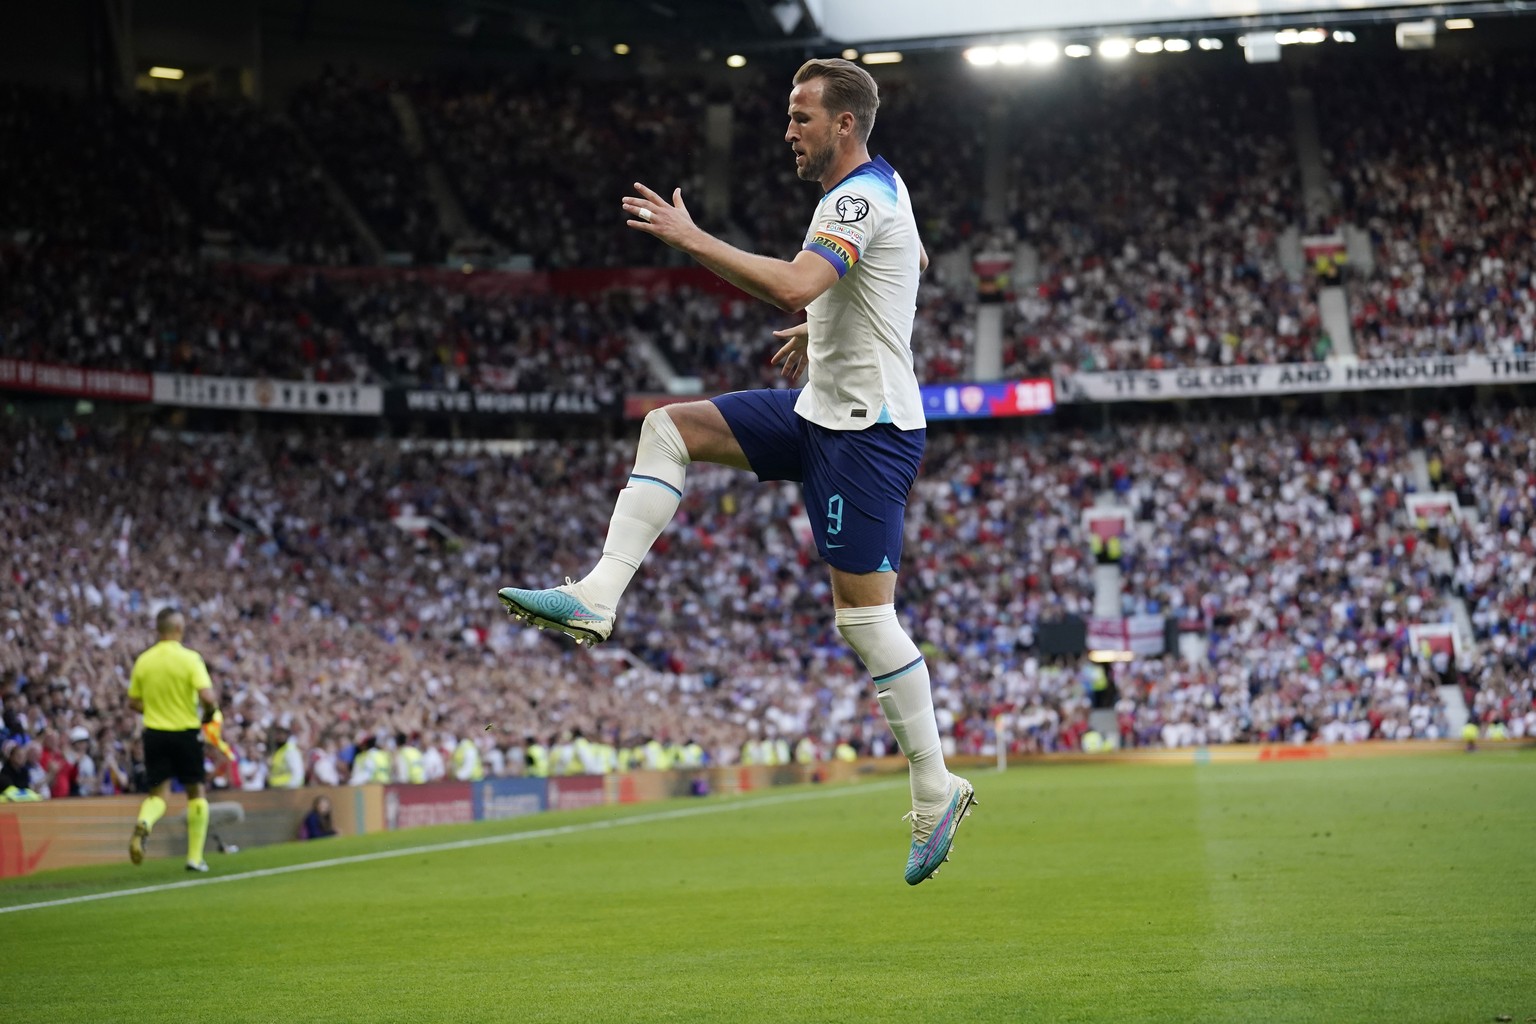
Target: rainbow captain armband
<point x="842" y="253"/>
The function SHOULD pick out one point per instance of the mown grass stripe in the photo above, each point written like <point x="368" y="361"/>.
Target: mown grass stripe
<point x="458" y="844"/>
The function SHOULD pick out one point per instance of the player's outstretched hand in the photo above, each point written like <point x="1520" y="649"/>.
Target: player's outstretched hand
<point x="792" y="355"/>
<point x="648" y="212"/>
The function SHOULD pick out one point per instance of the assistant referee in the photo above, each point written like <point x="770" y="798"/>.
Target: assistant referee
<point x="169" y="682"/>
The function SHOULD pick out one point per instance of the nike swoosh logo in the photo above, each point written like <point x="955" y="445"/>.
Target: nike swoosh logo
<point x="837" y="545"/>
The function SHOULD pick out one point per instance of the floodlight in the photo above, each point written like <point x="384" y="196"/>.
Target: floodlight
<point x="1116" y="48"/>
<point x="1042" y="51"/>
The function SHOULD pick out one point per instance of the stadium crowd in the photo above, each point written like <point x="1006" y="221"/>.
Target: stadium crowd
<point x="1152" y="246"/>
<point x="179" y="314"/>
<point x="1436" y="164"/>
<point x="357" y="134"/>
<point x="69" y="171"/>
<point x="1282" y="549"/>
<point x="541" y="162"/>
<point x="1155" y="208"/>
<point x="244" y="174"/>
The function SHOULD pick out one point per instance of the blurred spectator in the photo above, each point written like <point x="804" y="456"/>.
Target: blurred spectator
<point x="317" y="823"/>
<point x="16" y="773"/>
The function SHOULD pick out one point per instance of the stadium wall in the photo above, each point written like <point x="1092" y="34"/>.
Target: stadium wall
<point x="94" y="830"/>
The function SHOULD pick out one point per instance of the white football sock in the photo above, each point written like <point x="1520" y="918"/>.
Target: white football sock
<point x="644" y="508"/>
<point x="901" y="683"/>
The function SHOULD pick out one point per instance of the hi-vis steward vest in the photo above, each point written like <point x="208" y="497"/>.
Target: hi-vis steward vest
<point x="378" y="766"/>
<point x="415" y="769"/>
<point x="278" y="775"/>
<point x="466" y="753"/>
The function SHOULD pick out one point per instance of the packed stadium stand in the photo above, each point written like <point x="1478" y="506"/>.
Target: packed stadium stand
<point x="567" y="149"/>
<point x="1156" y="247"/>
<point x="1152" y="248"/>
<point x="70" y="170"/>
<point x="356" y="130"/>
<point x="1284" y="548"/>
<point x="1437" y="165"/>
<point x="342" y="581"/>
<point x="180" y="314"/>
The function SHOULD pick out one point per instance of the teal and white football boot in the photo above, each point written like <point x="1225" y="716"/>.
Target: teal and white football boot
<point x="564" y="608"/>
<point x="933" y="831"/>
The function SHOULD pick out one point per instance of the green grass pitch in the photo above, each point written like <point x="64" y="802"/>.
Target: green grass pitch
<point x="1395" y="889"/>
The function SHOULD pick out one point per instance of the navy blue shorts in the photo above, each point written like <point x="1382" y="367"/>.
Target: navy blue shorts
<point x="855" y="482"/>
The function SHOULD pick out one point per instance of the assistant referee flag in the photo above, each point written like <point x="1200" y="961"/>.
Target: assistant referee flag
<point x="167" y="678"/>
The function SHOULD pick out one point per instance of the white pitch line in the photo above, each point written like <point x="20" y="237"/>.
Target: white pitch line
<point x="460" y="844"/>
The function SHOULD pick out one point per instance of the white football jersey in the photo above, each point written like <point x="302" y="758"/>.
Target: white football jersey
<point x="860" y="344"/>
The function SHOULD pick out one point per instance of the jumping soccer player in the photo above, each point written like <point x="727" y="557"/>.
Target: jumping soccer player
<point x="853" y="436"/>
<point x="169" y="681"/>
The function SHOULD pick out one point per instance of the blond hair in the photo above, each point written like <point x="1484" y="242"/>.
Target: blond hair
<point x="848" y="87"/>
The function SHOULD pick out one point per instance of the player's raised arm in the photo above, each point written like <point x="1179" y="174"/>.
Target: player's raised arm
<point x="789" y="285"/>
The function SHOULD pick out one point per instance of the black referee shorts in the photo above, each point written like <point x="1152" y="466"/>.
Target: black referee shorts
<point x="173" y="755"/>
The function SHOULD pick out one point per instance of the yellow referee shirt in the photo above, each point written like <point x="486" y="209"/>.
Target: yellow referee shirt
<point x="166" y="678"/>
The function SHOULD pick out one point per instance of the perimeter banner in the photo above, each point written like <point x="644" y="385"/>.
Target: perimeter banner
<point x="73" y="381"/>
<point x="504" y="403"/>
<point x="1294" y="378"/>
<point x="569" y="792"/>
<point x="413" y="805"/>
<point x="262" y="395"/>
<point x="496" y="799"/>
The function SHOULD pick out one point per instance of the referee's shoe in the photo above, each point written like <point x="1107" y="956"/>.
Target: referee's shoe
<point x="136" y="844"/>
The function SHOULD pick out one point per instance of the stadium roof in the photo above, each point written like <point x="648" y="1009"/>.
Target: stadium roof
<point x="549" y="24"/>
